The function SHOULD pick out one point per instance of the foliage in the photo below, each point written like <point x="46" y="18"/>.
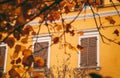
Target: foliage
<point x="14" y="16"/>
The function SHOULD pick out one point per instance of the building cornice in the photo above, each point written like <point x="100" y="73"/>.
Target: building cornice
<point x="82" y="16"/>
<point x="90" y="15"/>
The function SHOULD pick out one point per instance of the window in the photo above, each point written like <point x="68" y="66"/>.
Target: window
<point x="89" y="56"/>
<point x="42" y="49"/>
<point x="3" y="57"/>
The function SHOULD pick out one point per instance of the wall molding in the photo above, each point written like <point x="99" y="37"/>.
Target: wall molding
<point x="90" y="15"/>
<point x="81" y="16"/>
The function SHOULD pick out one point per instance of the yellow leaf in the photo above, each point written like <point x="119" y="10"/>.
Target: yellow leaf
<point x="15" y="55"/>
<point x="19" y="70"/>
<point x="80" y="33"/>
<point x="58" y="27"/>
<point x="71" y="47"/>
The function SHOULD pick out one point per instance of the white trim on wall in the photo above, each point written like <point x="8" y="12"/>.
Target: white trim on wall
<point x="5" y="60"/>
<point x="81" y="16"/>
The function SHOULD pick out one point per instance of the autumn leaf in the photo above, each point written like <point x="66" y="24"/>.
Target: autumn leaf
<point x="20" y="70"/>
<point x="79" y="47"/>
<point x="34" y="33"/>
<point x="26" y="52"/>
<point x="110" y="19"/>
<point x="17" y="48"/>
<point x="28" y="27"/>
<point x="10" y="41"/>
<point x="22" y="48"/>
<point x="18" y="60"/>
<point x="72" y="32"/>
<point x="24" y="40"/>
<point x="12" y="62"/>
<point x="26" y="30"/>
<point x="14" y="56"/>
<point x="31" y="69"/>
<point x="71" y="47"/>
<point x="80" y="33"/>
<point x="14" y="74"/>
<point x="66" y="9"/>
<point x="68" y="27"/>
<point x="56" y="15"/>
<point x="16" y="34"/>
<point x="39" y="61"/>
<point x="58" y="27"/>
<point x="55" y="40"/>
<point x="27" y="61"/>
<point x="50" y="18"/>
<point x="116" y="32"/>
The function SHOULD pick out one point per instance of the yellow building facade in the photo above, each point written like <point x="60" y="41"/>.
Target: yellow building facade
<point x="99" y="50"/>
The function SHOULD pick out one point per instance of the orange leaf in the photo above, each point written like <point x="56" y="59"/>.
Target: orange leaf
<point x="39" y="61"/>
<point x="34" y="33"/>
<point x="12" y="62"/>
<point x="24" y="40"/>
<point x="27" y="30"/>
<point x="14" y="74"/>
<point x="58" y="27"/>
<point x="26" y="52"/>
<point x="55" y="40"/>
<point x="14" y="56"/>
<point x="71" y="47"/>
<point x="18" y="60"/>
<point x="110" y="19"/>
<point x="66" y="9"/>
<point x="10" y="41"/>
<point x="16" y="34"/>
<point x="80" y="33"/>
<point x="22" y="48"/>
<point x="17" y="48"/>
<point x="27" y="61"/>
<point x="79" y="47"/>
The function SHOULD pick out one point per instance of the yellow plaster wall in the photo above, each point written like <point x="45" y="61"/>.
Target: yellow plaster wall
<point x="109" y="53"/>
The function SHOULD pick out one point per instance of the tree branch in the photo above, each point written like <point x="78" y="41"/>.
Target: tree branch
<point x="42" y="11"/>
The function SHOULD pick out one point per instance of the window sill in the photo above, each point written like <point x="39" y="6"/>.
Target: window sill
<point x="90" y="67"/>
<point x="38" y="70"/>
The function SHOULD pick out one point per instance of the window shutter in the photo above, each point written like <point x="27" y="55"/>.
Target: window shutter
<point x="2" y="56"/>
<point x="89" y="54"/>
<point x="41" y="50"/>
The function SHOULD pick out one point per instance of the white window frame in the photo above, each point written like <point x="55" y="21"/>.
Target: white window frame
<point x="6" y="52"/>
<point x="91" y="33"/>
<point x="43" y="38"/>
